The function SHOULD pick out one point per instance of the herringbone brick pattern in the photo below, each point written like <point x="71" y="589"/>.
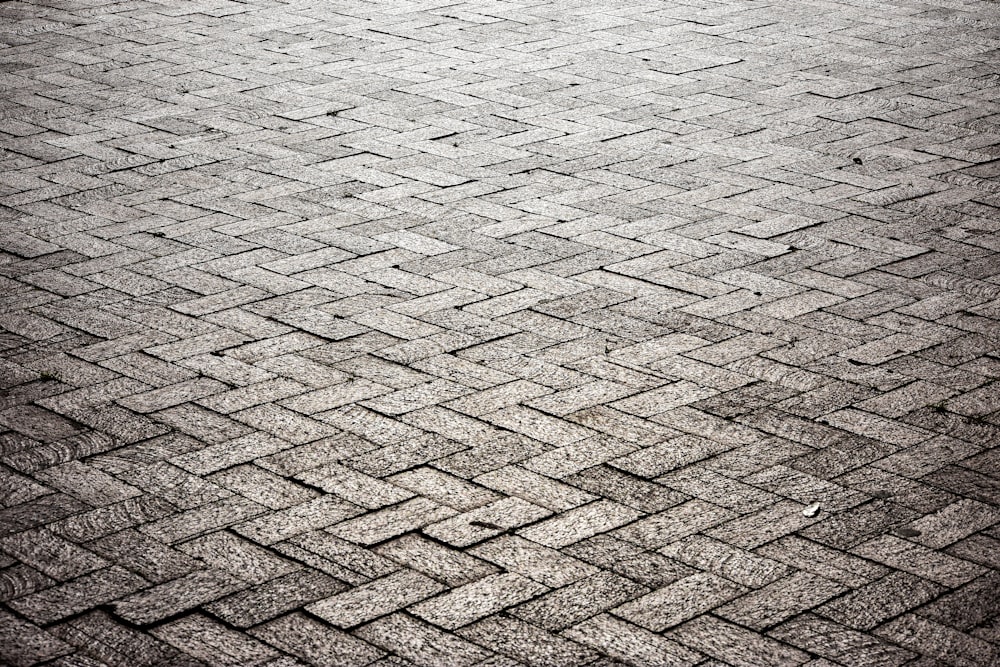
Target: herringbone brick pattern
<point x="500" y="333"/>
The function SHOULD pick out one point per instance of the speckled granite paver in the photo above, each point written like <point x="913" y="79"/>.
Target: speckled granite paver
<point x="487" y="333"/>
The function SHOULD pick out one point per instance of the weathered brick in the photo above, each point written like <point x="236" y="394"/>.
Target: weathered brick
<point x="520" y="319"/>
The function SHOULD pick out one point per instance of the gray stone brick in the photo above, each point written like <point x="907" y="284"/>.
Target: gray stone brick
<point x="207" y="640"/>
<point x="51" y="554"/>
<point x="573" y="458"/>
<point x="630" y="644"/>
<point x="355" y="564"/>
<point x="152" y="560"/>
<point x="277" y="526"/>
<point x="741" y="566"/>
<point x="527" y="644"/>
<point x="80" y="594"/>
<point x="938" y="641"/>
<point x="830" y="563"/>
<point x="535" y="488"/>
<point x="580" y="600"/>
<point x="200" y="520"/>
<point x="451" y="566"/>
<point x="542" y="564"/>
<point x="478" y="599"/>
<point x="835" y="642"/>
<point x="377" y="598"/>
<point x="230" y="453"/>
<point x="870" y="605"/>
<point x="23" y="644"/>
<point x="176" y="596"/>
<point x="263" y="487"/>
<point x="462" y="530"/>
<point x="591" y="301"/>
<point x="734" y="645"/>
<point x="353" y="487"/>
<point x="673" y="524"/>
<point x="780" y="600"/>
<point x="274" y="597"/>
<point x="914" y="558"/>
<point x="242" y="558"/>
<point x="951" y="523"/>
<point x="679" y="601"/>
<point x="625" y="489"/>
<point x="444" y="488"/>
<point x="580" y="523"/>
<point x="420" y="643"/>
<point x="315" y="642"/>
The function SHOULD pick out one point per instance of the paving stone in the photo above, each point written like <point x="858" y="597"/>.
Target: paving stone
<point x="353" y="486"/>
<point x="718" y="489"/>
<point x="626" y="489"/>
<point x="462" y="530"/>
<point x="552" y="308"/>
<point x="629" y="560"/>
<point x="537" y="425"/>
<point x="314" y="642"/>
<point x="377" y="598"/>
<point x="200" y="520"/>
<point x="542" y="564"/>
<point x="230" y="453"/>
<point x="240" y="557"/>
<point x="579" y="600"/>
<point x="938" y="641"/>
<point x="177" y="595"/>
<point x="263" y="487"/>
<point x="444" y="488"/>
<point x="738" y="565"/>
<point x="580" y="523"/>
<point x="284" y="424"/>
<point x="914" y="558"/>
<point x="277" y="526"/>
<point x="954" y="522"/>
<point x="674" y="524"/>
<point x="573" y="458"/>
<point x="735" y="645"/>
<point x="175" y="486"/>
<point x="630" y="644"/>
<point x="337" y="557"/>
<point x="87" y="483"/>
<point x="780" y="600"/>
<point x="172" y="395"/>
<point x="18" y="579"/>
<point x="679" y="601"/>
<point x="535" y="488"/>
<point x="451" y="566"/>
<point x="671" y="455"/>
<point x="213" y="643"/>
<point x="23" y="644"/>
<point x="80" y="594"/>
<point x="851" y="527"/>
<point x="840" y="644"/>
<point x="526" y="643"/>
<point x="51" y="554"/>
<point x="478" y="599"/>
<point x="152" y="560"/>
<point x="918" y="496"/>
<point x="977" y="549"/>
<point x="421" y="643"/>
<point x="870" y="605"/>
<point x="273" y="598"/>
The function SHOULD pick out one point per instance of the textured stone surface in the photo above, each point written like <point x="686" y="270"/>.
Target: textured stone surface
<point x="492" y="333"/>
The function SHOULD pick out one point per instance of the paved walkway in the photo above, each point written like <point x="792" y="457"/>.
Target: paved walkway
<point x="495" y="333"/>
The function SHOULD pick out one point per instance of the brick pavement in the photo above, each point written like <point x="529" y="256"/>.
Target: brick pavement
<point x="500" y="333"/>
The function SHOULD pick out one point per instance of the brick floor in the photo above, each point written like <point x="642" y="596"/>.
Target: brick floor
<point x="498" y="333"/>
